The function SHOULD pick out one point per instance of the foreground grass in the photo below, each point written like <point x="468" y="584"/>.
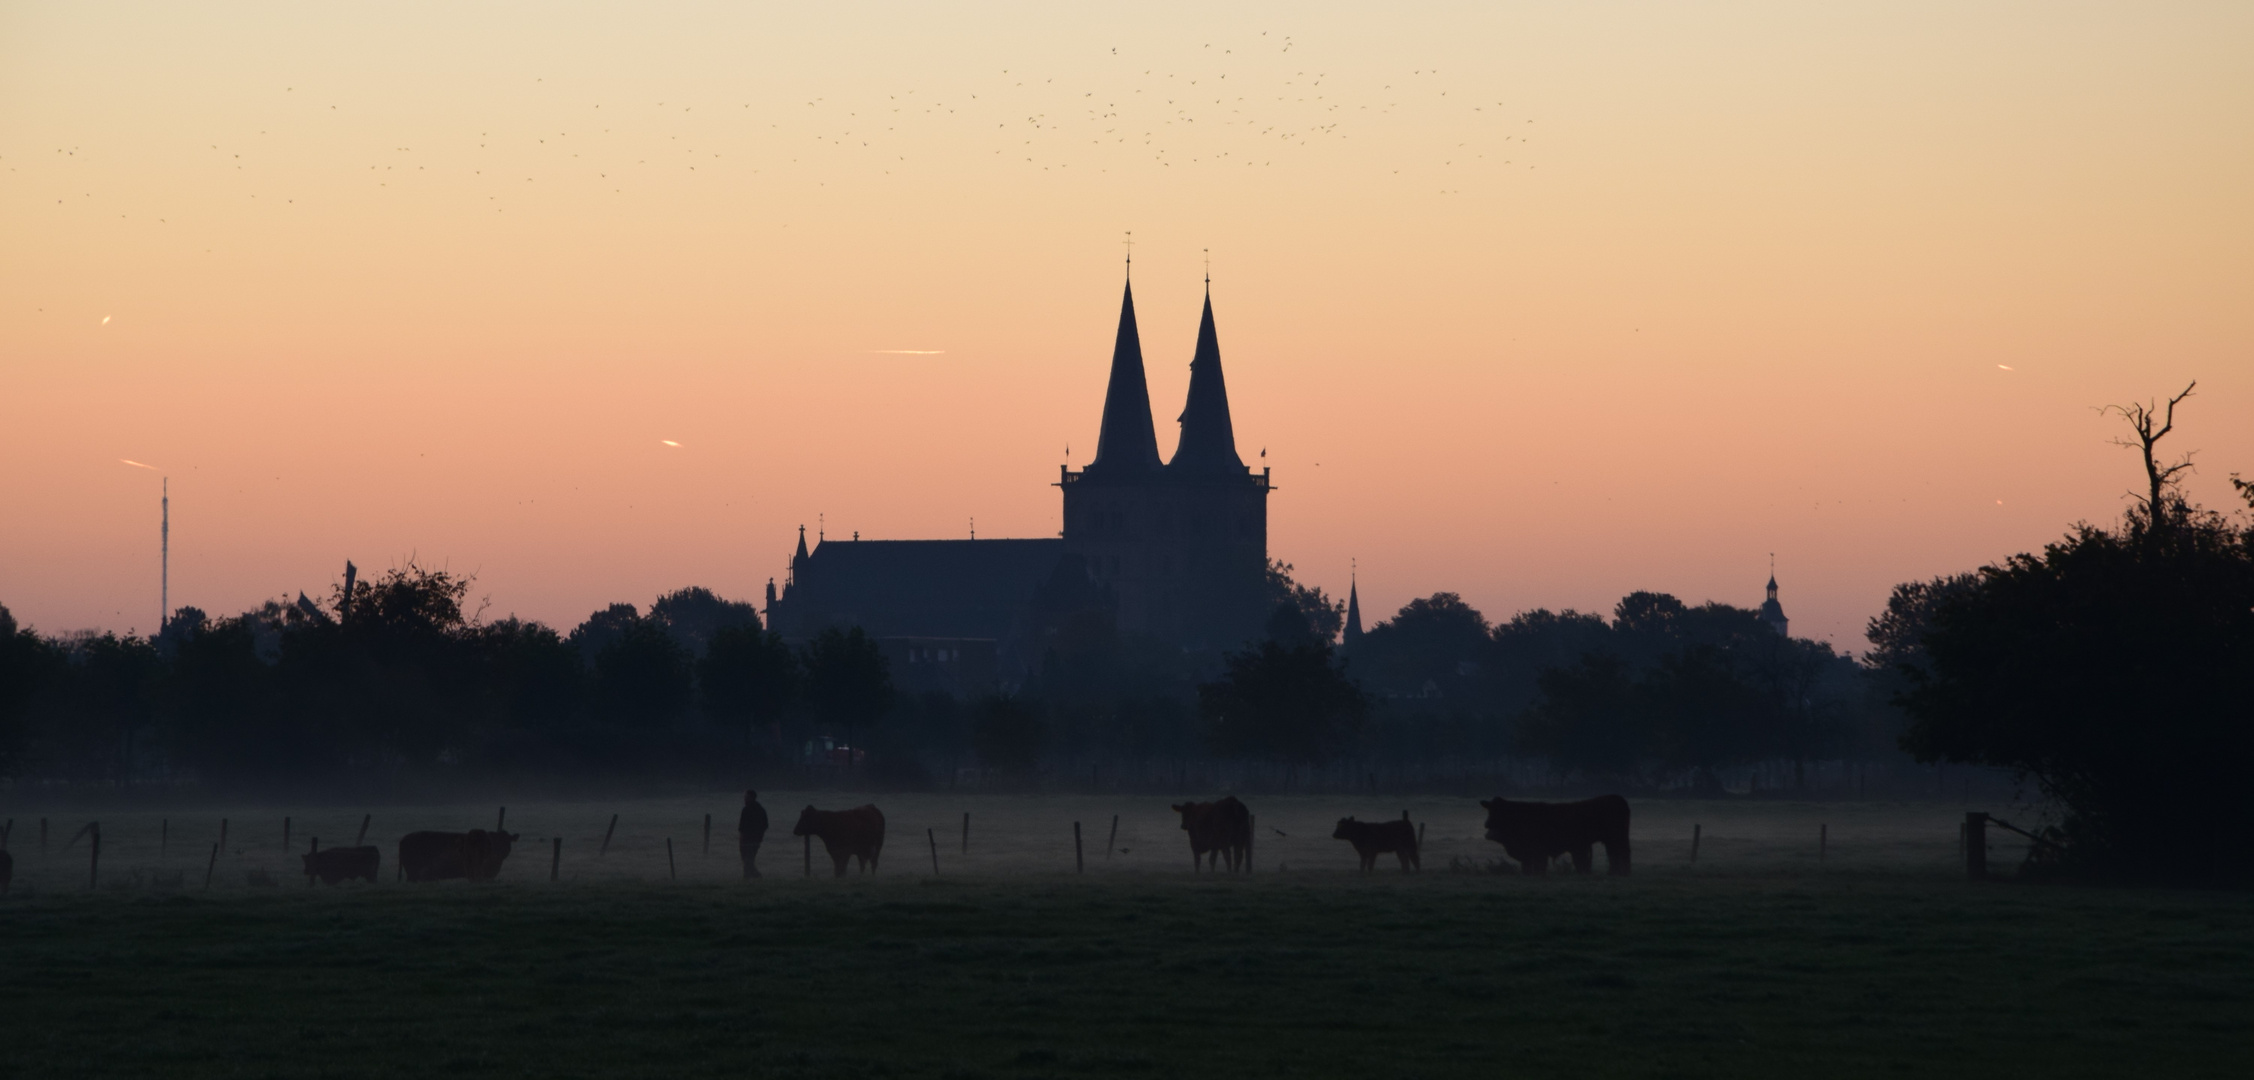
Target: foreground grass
<point x="1277" y="975"/>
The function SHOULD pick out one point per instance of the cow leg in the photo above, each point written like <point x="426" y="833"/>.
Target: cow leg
<point x="1406" y="857"/>
<point x="839" y="859"/>
<point x="1616" y="857"/>
<point x="1581" y="859"/>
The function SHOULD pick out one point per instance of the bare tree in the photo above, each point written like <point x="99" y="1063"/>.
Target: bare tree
<point x="2151" y="423"/>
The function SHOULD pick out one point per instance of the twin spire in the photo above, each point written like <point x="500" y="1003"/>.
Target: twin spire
<point x="1128" y="443"/>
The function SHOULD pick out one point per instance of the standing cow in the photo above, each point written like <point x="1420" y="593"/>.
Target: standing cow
<point x="847" y="834"/>
<point x="1374" y="838"/>
<point x="339" y="864"/>
<point x="1536" y="832"/>
<point x="436" y="856"/>
<point x="1221" y="829"/>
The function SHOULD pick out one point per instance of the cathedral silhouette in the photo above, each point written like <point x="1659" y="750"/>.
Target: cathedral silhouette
<point x="1173" y="549"/>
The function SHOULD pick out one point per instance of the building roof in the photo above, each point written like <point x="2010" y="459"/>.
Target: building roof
<point x="918" y="588"/>
<point x="1209" y="441"/>
<point x="1127" y="443"/>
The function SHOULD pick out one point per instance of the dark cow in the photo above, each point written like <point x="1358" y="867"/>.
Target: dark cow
<point x="436" y="856"/>
<point x="342" y="863"/>
<point x="1374" y="838"/>
<point x="847" y="834"/>
<point x="1535" y="832"/>
<point x="1222" y="828"/>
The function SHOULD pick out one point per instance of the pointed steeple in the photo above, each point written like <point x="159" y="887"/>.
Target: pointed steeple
<point x="1209" y="441"/>
<point x="1772" y="612"/>
<point x="1353" y="612"/>
<point x="798" y="559"/>
<point x="1127" y="444"/>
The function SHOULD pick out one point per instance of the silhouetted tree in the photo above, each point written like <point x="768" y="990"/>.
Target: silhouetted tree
<point x="1436" y="639"/>
<point x="695" y="614"/>
<point x="28" y="666"/>
<point x="749" y="677"/>
<point x="1323" y="616"/>
<point x="1589" y="719"/>
<point x="1286" y="703"/>
<point x="848" y="680"/>
<point x="2112" y="668"/>
<point x="643" y="678"/>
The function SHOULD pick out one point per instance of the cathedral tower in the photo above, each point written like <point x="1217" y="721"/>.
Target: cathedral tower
<point x="1182" y="545"/>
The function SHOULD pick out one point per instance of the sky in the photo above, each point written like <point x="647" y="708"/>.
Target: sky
<point x="1535" y="303"/>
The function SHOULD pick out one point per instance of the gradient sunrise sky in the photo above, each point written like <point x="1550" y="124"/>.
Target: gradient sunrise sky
<point x="1539" y="303"/>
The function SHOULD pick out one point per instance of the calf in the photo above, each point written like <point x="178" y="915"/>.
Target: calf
<point x="846" y="834"/>
<point x="436" y="856"/>
<point x="1218" y="830"/>
<point x="1374" y="838"/>
<point x="340" y="864"/>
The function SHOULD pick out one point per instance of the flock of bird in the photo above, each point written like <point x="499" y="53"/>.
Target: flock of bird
<point x="1233" y="107"/>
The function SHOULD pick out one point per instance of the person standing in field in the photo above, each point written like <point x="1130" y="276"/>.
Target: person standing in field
<point x="751" y="828"/>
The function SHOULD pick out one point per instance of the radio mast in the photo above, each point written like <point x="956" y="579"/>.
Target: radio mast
<point x="164" y="561"/>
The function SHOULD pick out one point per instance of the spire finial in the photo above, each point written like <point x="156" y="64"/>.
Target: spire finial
<point x="1208" y="273"/>
<point x="1130" y="253"/>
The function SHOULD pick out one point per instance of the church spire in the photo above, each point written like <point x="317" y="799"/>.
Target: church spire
<point x="1209" y="441"/>
<point x="1353" y="612"/>
<point x="1127" y="442"/>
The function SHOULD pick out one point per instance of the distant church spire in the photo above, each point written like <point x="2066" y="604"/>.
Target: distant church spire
<point x="798" y="558"/>
<point x="1353" y="611"/>
<point x="1209" y="441"/>
<point x="1127" y="442"/>
<point x="1772" y="612"/>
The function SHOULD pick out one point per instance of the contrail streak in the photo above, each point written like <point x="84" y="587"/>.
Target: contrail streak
<point x="138" y="465"/>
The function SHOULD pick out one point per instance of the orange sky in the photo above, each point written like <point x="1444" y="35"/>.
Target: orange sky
<point x="1538" y="303"/>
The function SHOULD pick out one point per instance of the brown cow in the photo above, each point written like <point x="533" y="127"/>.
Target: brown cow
<point x="342" y="863"/>
<point x="435" y="856"/>
<point x="847" y="834"/>
<point x="1535" y="832"/>
<point x="1374" y="838"/>
<point x="1222" y="828"/>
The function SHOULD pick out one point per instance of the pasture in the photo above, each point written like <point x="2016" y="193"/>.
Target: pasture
<point x="1762" y="959"/>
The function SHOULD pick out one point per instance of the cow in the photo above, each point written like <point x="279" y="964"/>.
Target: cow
<point x="1222" y="828"/>
<point x="342" y="863"/>
<point x="1374" y="838"/>
<point x="436" y="856"/>
<point x="1535" y="832"/>
<point x="847" y="834"/>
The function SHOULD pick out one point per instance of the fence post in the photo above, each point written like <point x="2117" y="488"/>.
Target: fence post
<point x="209" y="867"/>
<point x="1079" y="864"/>
<point x="555" y="860"/>
<point x="94" y="864"/>
<point x="1252" y="831"/>
<point x="606" y="836"/>
<point x="933" y="836"/>
<point x="362" y="839"/>
<point x="1114" y="841"/>
<point x="1694" y="844"/>
<point x="670" y="873"/>
<point x="1420" y="839"/>
<point x="501" y="820"/>
<point x="810" y="855"/>
<point x="1976" y="845"/>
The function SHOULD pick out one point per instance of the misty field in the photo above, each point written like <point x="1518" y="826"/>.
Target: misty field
<point x="1763" y="959"/>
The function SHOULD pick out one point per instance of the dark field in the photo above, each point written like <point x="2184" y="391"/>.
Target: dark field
<point x="1301" y="973"/>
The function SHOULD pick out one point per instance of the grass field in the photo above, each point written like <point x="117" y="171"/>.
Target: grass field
<point x="1758" y="961"/>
